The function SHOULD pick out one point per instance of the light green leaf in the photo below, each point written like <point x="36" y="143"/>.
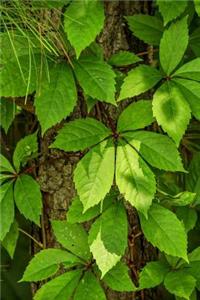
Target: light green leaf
<point x="134" y="178"/>
<point x="11" y="238"/>
<point x="80" y="134"/>
<point x="194" y="255"/>
<point x="73" y="237"/>
<point x="89" y="288"/>
<point x="171" y="9"/>
<point x="83" y="21"/>
<point x="137" y="115"/>
<point x="6" y="209"/>
<point x="147" y="28"/>
<point x="180" y="283"/>
<point x="164" y="230"/>
<point x="182" y="199"/>
<point x="171" y="110"/>
<point x="59" y="288"/>
<point x="28" y="198"/>
<point x="173" y="45"/>
<point x="155" y="148"/>
<point x="7" y="113"/>
<point x="96" y="78"/>
<point x="197" y="6"/>
<point x="56" y="97"/>
<point x="46" y="263"/>
<point x="152" y="274"/>
<point x="190" y="70"/>
<point x="94" y="174"/>
<point x="123" y="58"/>
<point x="194" y="266"/>
<point x="191" y="93"/>
<point x="138" y="81"/>
<point x="193" y="178"/>
<point x="188" y="216"/>
<point x="25" y="148"/>
<point x="118" y="279"/>
<point x="5" y="165"/>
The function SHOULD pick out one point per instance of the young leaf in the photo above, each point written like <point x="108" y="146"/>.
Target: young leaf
<point x="83" y="21"/>
<point x="147" y="28"/>
<point x="134" y="178"/>
<point x="123" y="58"/>
<point x="182" y="199"/>
<point x="94" y="174"/>
<point x="7" y="113"/>
<point x="11" y="238"/>
<point x="191" y="92"/>
<point x="24" y="149"/>
<point x="190" y="70"/>
<point x="89" y="288"/>
<point x="173" y="45"/>
<point x="7" y="209"/>
<point x="155" y="148"/>
<point x="138" y="81"/>
<point x="152" y="274"/>
<point x="80" y="134"/>
<point x="188" y="216"/>
<point x="118" y="279"/>
<point x="46" y="263"/>
<point x="28" y="198"/>
<point x="137" y="115"/>
<point x="164" y="230"/>
<point x="171" y="110"/>
<point x="96" y="78"/>
<point x="193" y="178"/>
<point x="5" y="165"/>
<point x="171" y="9"/>
<point x="180" y="283"/>
<point x="61" y="287"/>
<point x="56" y="97"/>
<point x="73" y="237"/>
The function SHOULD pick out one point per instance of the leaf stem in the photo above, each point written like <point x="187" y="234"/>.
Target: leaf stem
<point x="31" y="237"/>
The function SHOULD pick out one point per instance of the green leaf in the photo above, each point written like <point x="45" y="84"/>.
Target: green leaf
<point x="7" y="113"/>
<point x="195" y="41"/>
<point x="96" y="78"/>
<point x="164" y="230"/>
<point x="171" y="110"/>
<point x="137" y="115"/>
<point x="89" y="288"/>
<point x="173" y="45"/>
<point x="80" y="134"/>
<point x="138" y="81"/>
<point x="188" y="216"/>
<point x="193" y="178"/>
<point x="83" y="21"/>
<point x="171" y="9"/>
<point x="152" y="274"/>
<point x="5" y="165"/>
<point x="147" y="28"/>
<point x="28" y="198"/>
<point x="155" y="149"/>
<point x="6" y="208"/>
<point x="190" y="70"/>
<point x="197" y="6"/>
<point x="11" y="238"/>
<point x="182" y="199"/>
<point x="118" y="279"/>
<point x="46" y="263"/>
<point x="94" y="174"/>
<point x="73" y="237"/>
<point x="59" y="288"/>
<point x="25" y="148"/>
<point x="56" y="97"/>
<point x="180" y="283"/>
<point x="191" y="92"/>
<point x="123" y="58"/>
<point x="134" y="178"/>
<point x="194" y="266"/>
<point x="75" y="213"/>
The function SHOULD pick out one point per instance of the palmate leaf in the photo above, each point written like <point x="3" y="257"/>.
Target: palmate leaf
<point x="80" y="134"/>
<point x="171" y="110"/>
<point x="190" y="70"/>
<point x="173" y="45"/>
<point x="83" y="21"/>
<point x="164" y="230"/>
<point x="56" y="96"/>
<point x="138" y="81"/>
<point x="134" y="178"/>
<point x="7" y="113"/>
<point x="11" y="238"/>
<point x="96" y="78"/>
<point x="94" y="174"/>
<point x="171" y="9"/>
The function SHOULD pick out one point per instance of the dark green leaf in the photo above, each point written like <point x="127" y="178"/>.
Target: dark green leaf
<point x="6" y="209"/>
<point x="7" y="113"/>
<point x="11" y="238"/>
<point x="188" y="216"/>
<point x="193" y="178"/>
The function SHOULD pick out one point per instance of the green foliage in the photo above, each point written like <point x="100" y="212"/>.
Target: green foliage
<point x="10" y="240"/>
<point x="171" y="9"/>
<point x="7" y="113"/>
<point x="123" y="58"/>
